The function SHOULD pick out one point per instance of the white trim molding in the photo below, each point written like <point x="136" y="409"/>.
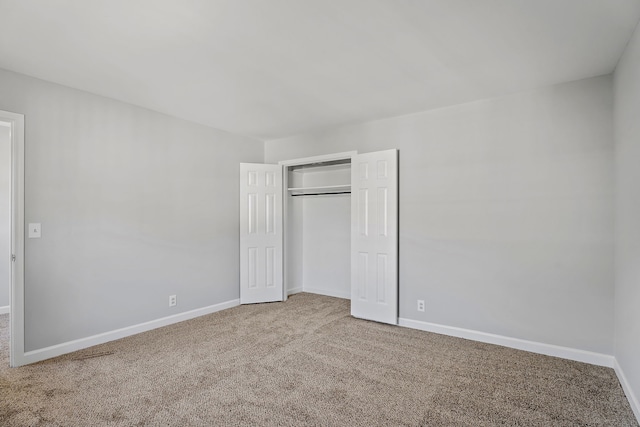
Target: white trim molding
<point x="519" y="344"/>
<point x="6" y="309"/>
<point x="628" y="391"/>
<point x="82" y="343"/>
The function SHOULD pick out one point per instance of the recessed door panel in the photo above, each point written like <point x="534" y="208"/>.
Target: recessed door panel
<point x="252" y="178"/>
<point x="270" y="267"/>
<point x="383" y="212"/>
<point x="363" y="212"/>
<point x="382" y="168"/>
<point x="363" y="171"/>
<point x="270" y="213"/>
<point x="381" y="278"/>
<point x="252" y="213"/>
<point x="270" y="178"/>
<point x="252" y="267"/>
<point x="363" y="268"/>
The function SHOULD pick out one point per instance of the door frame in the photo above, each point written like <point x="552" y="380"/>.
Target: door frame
<point x="16" y="316"/>
<point x="285" y="197"/>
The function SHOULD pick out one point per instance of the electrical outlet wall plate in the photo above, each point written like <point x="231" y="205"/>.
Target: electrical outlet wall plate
<point x="173" y="301"/>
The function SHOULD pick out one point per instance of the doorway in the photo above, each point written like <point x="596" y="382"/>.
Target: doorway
<point x="12" y="232"/>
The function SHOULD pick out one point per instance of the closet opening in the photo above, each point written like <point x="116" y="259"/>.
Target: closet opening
<point x="317" y="232"/>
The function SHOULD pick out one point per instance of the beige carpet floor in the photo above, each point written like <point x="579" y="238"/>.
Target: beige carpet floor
<point x="304" y="362"/>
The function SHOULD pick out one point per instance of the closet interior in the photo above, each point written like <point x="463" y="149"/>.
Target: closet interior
<point x="318" y="227"/>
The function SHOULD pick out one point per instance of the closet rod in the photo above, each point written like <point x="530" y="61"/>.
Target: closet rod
<point x="321" y="194"/>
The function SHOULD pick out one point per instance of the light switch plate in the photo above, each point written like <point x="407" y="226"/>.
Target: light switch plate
<point x="34" y="230"/>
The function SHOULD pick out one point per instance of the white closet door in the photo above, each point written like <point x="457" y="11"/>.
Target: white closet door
<point x="261" y="244"/>
<point x="374" y="236"/>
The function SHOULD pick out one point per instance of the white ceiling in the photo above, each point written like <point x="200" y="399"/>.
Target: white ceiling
<point x="273" y="68"/>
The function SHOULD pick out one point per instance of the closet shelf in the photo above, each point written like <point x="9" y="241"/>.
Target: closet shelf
<point x="318" y="191"/>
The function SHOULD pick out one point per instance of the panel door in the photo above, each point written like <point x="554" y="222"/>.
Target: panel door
<point x="374" y="236"/>
<point x="261" y="244"/>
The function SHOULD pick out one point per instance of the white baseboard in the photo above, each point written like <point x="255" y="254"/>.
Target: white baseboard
<point x="336" y="294"/>
<point x="294" y="291"/>
<point x="79" y="344"/>
<point x="5" y="309"/>
<point x="628" y="391"/>
<point x="519" y="344"/>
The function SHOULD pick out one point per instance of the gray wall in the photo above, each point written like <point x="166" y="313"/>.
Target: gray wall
<point x="326" y="234"/>
<point x="5" y="215"/>
<point x="506" y="211"/>
<point x="327" y="245"/>
<point x="134" y="206"/>
<point x="627" y="141"/>
<point x="294" y="245"/>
